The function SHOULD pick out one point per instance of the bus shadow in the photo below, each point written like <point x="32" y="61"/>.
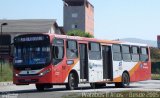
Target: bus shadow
<point x="60" y="90"/>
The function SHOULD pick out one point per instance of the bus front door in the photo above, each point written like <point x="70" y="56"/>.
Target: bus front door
<point x="83" y="62"/>
<point x="107" y="62"/>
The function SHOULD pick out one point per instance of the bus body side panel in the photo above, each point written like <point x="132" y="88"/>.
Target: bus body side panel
<point x="66" y="69"/>
<point x="95" y="71"/>
<point x="58" y="71"/>
<point x="137" y="71"/>
<point x="120" y="66"/>
<point x="131" y="68"/>
<point x="75" y="67"/>
<point x="142" y="72"/>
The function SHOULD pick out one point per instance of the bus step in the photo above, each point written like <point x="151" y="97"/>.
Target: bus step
<point x="106" y="79"/>
<point x="83" y="80"/>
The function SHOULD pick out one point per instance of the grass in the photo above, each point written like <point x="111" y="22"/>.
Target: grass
<point x="6" y="74"/>
<point x="123" y="94"/>
<point x="155" y="76"/>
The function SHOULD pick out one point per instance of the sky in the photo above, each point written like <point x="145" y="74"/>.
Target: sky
<point x="114" y="19"/>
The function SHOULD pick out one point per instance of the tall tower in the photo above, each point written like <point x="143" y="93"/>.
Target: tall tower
<point x="78" y="14"/>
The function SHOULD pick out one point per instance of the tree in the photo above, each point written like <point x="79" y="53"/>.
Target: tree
<point x="155" y="54"/>
<point x="79" y="33"/>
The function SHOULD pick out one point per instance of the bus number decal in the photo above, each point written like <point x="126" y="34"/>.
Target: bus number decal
<point x="120" y="65"/>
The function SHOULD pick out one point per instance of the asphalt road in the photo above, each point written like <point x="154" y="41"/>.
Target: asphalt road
<point x="29" y="91"/>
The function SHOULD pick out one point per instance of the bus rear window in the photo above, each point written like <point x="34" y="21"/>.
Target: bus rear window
<point x="144" y="54"/>
<point x="143" y="50"/>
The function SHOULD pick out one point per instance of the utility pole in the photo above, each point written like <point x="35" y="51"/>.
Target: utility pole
<point x="2" y="24"/>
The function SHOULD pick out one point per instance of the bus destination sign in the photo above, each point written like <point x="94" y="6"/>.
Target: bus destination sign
<point x="28" y="39"/>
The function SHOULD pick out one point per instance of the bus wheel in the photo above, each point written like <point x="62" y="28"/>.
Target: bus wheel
<point x="125" y="81"/>
<point x="40" y="87"/>
<point x="72" y="82"/>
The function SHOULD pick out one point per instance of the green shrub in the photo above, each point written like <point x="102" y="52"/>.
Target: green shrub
<point x="79" y="33"/>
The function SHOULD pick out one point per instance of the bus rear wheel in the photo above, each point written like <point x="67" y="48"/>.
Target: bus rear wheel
<point x="40" y="87"/>
<point x="125" y="81"/>
<point x="72" y="82"/>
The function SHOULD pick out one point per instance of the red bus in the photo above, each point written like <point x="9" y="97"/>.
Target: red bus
<point x="49" y="59"/>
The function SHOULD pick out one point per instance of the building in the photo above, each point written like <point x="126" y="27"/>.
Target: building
<point x="158" y="41"/>
<point x="27" y="26"/>
<point x="78" y="14"/>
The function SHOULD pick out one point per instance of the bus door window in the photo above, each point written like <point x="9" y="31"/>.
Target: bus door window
<point x="58" y="51"/>
<point x="72" y="50"/>
<point x="95" y="62"/>
<point x="95" y="51"/>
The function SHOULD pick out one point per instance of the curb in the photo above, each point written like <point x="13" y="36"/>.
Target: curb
<point x="6" y="83"/>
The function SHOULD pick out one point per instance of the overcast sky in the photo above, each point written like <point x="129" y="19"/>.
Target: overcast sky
<point x="114" y="19"/>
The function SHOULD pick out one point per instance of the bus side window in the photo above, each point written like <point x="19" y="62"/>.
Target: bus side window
<point x="144" y="54"/>
<point x="58" y="51"/>
<point x="117" y="56"/>
<point x="126" y="53"/>
<point x="72" y="50"/>
<point x="135" y="53"/>
<point x="94" y="51"/>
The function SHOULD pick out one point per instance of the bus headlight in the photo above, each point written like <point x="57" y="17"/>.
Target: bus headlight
<point x="45" y="72"/>
<point x="16" y="75"/>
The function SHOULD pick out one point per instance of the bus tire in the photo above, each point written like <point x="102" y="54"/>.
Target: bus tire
<point x="125" y="81"/>
<point x="72" y="81"/>
<point x="40" y="87"/>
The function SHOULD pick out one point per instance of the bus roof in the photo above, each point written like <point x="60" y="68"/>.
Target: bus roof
<point x="99" y="40"/>
<point x="89" y="39"/>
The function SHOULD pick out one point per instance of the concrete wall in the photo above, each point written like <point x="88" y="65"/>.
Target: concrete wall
<point x="89" y="19"/>
<point x="84" y="18"/>
<point x="69" y="20"/>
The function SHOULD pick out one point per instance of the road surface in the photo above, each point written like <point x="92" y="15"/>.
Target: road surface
<point x="29" y="91"/>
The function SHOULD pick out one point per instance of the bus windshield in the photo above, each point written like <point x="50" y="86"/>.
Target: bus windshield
<point x="31" y="55"/>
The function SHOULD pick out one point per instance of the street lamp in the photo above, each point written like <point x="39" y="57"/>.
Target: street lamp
<point x="2" y="24"/>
